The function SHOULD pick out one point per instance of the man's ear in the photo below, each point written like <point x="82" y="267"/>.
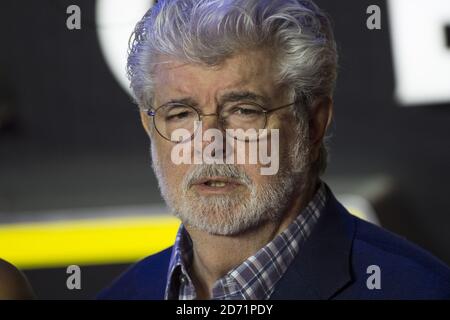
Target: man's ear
<point x="145" y="120"/>
<point x="320" y="116"/>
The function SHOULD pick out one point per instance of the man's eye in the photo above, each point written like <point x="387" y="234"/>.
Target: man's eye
<point x="179" y="116"/>
<point x="242" y="111"/>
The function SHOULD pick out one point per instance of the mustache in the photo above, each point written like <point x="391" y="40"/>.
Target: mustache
<point x="202" y="171"/>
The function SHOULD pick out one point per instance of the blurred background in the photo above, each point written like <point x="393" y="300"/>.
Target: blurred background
<point x="76" y="185"/>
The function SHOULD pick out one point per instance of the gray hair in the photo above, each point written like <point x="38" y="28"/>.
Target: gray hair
<point x="297" y="33"/>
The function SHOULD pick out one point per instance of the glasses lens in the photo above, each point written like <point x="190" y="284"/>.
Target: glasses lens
<point x="246" y="119"/>
<point x="244" y="116"/>
<point x="175" y="121"/>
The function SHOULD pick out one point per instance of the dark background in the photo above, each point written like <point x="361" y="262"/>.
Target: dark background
<point x="71" y="137"/>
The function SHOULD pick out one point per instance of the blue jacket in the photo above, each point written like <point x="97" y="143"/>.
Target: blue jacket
<point x="334" y="263"/>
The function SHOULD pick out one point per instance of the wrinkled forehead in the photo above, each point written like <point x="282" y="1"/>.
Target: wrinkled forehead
<point x="252" y="71"/>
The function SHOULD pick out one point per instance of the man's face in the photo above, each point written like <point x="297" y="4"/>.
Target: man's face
<point x="227" y="199"/>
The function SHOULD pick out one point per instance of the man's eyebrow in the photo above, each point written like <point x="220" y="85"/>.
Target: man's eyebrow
<point x="237" y="96"/>
<point x="234" y="96"/>
<point x="186" y="100"/>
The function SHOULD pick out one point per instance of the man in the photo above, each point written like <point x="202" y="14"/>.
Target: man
<point x="13" y="283"/>
<point x="267" y="68"/>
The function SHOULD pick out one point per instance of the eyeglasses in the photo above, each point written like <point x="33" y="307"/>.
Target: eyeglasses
<point x="243" y="115"/>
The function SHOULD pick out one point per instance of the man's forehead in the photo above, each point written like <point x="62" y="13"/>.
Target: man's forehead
<point x="244" y="67"/>
<point x="245" y="71"/>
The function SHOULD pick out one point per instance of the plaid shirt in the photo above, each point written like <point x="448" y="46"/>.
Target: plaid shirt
<point x="256" y="277"/>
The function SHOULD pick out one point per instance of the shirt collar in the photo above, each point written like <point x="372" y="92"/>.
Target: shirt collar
<point x="256" y="277"/>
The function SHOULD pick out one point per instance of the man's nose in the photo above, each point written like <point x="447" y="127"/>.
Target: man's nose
<point x="212" y="121"/>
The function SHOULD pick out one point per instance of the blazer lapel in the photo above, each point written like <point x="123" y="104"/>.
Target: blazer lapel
<point x="322" y="266"/>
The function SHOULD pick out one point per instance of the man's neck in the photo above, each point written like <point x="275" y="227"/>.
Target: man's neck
<point x="214" y="255"/>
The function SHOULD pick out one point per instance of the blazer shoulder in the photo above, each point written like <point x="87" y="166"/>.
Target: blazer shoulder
<point x="406" y="269"/>
<point x="145" y="279"/>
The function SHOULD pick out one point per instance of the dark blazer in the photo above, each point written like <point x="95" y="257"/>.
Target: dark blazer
<point x="332" y="264"/>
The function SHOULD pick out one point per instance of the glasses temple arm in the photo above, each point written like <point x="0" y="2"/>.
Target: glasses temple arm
<point x="281" y="107"/>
